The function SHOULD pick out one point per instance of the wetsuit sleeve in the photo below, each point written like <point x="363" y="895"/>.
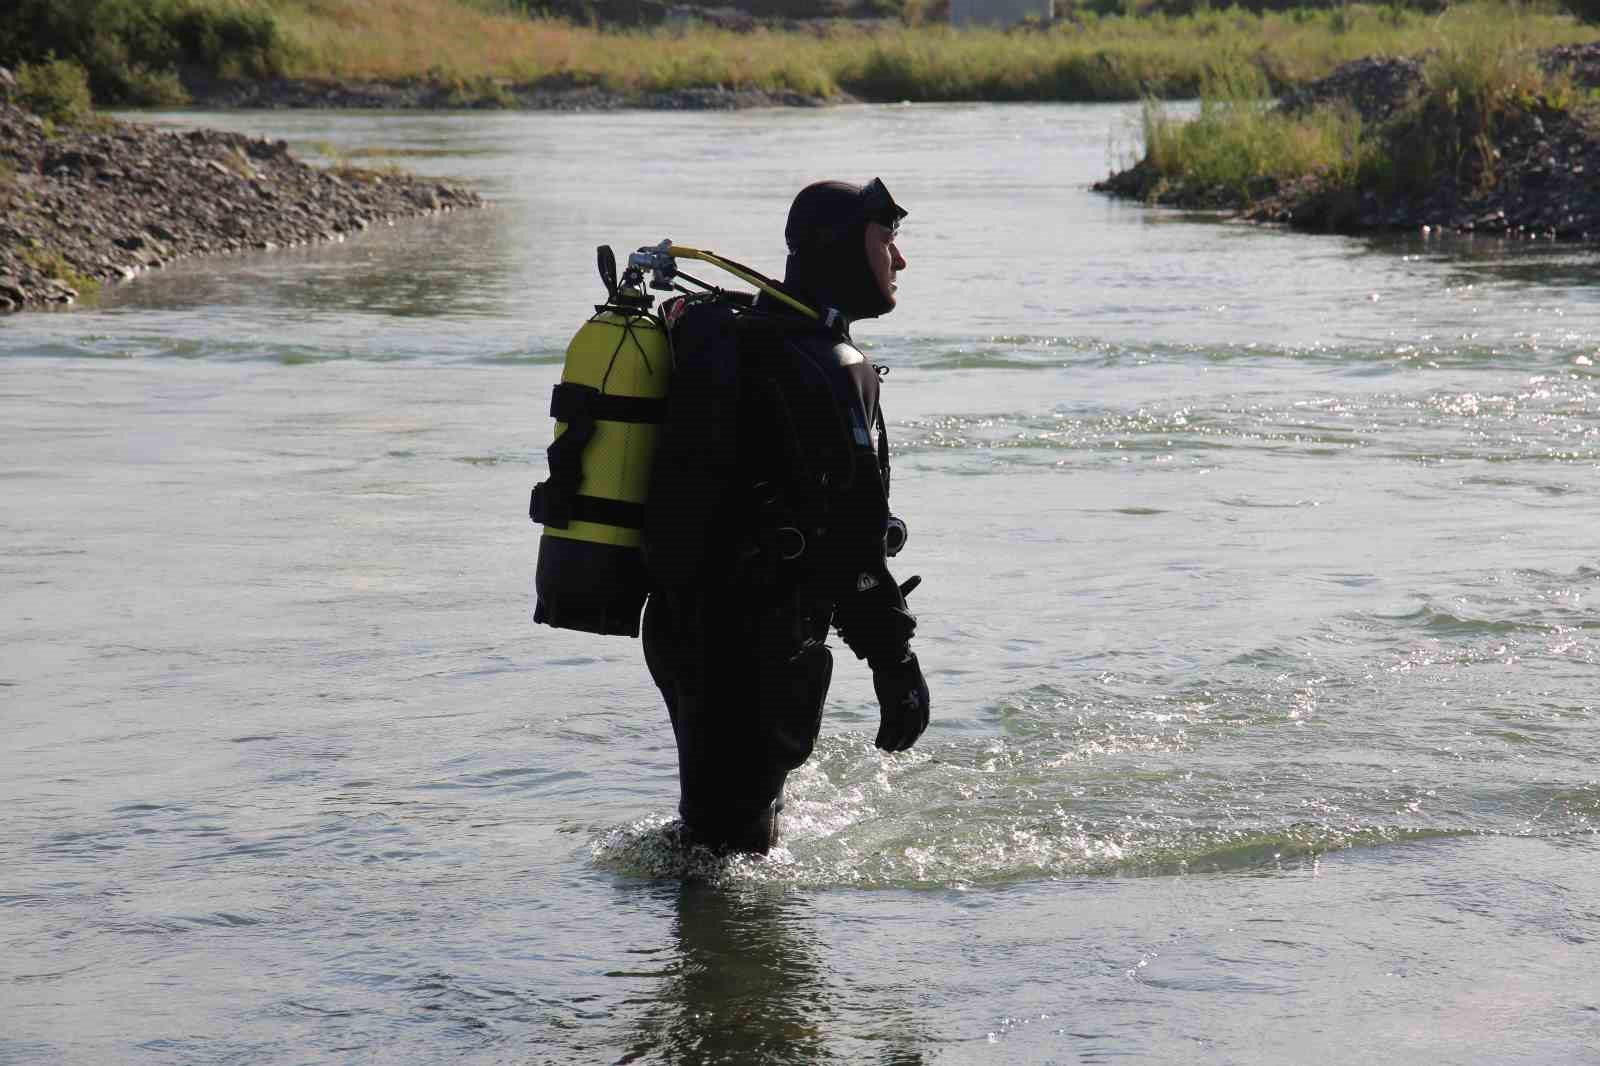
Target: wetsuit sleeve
<point x="821" y="397"/>
<point x="870" y="613"/>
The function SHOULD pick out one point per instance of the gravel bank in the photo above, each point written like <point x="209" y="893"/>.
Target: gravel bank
<point x="84" y="207"/>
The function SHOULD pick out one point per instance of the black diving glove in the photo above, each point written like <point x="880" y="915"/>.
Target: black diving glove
<point x="874" y="621"/>
<point x="902" y="700"/>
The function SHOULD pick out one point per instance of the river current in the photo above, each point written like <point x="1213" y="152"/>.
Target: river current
<point x="1260" y="575"/>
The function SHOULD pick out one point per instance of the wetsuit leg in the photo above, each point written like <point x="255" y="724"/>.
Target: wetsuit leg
<point x="744" y="713"/>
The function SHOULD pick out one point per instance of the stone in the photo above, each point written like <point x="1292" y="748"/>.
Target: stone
<point x="159" y="197"/>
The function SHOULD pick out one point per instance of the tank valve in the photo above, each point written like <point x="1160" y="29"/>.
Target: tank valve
<point x="659" y="261"/>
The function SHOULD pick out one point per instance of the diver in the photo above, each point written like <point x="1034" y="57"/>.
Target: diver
<point x="768" y="522"/>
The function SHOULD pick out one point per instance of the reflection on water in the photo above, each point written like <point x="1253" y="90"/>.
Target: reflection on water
<point x="745" y="986"/>
<point x="1467" y="259"/>
<point x="435" y="267"/>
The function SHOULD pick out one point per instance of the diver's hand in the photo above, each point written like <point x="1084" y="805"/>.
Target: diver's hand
<point x="902" y="700"/>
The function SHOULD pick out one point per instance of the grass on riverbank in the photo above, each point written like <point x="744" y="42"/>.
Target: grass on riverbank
<point x="1475" y="86"/>
<point x="53" y="264"/>
<point x="1086" y="58"/>
<point x="1239" y="147"/>
<point x="133" y="47"/>
<point x="1473" y="90"/>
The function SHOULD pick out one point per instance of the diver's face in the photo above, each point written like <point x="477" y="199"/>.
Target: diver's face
<point x="884" y="258"/>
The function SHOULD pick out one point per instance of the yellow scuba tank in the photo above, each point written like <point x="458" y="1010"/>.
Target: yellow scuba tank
<point x="608" y="410"/>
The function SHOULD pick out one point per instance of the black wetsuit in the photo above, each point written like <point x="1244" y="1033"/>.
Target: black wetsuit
<point x="767" y="518"/>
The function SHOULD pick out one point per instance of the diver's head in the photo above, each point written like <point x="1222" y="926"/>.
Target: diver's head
<point x="842" y="251"/>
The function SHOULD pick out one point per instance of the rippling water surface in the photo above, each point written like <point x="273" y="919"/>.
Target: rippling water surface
<point x="1259" y="612"/>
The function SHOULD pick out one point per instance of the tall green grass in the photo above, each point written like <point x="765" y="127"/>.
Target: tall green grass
<point x="1239" y="147"/>
<point x="1478" y="78"/>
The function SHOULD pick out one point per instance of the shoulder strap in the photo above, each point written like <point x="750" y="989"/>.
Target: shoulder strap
<point x="883" y="449"/>
<point x="694" y="475"/>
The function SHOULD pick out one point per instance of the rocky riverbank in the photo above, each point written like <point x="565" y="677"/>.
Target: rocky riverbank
<point x="84" y="207"/>
<point x="1540" y="176"/>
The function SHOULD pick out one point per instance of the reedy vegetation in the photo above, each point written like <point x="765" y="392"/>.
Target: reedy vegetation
<point x="1238" y="144"/>
<point x="134" y="49"/>
<point x="1476" y="80"/>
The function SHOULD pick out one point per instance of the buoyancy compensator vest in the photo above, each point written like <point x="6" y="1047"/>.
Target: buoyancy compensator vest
<point x="608" y="408"/>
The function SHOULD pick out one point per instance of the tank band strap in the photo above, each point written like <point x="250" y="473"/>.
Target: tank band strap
<point x="619" y="513"/>
<point x="569" y="402"/>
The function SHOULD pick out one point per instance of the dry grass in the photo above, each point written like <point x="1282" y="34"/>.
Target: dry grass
<point x="479" y="46"/>
<point x="1091" y="58"/>
<point x="392" y="39"/>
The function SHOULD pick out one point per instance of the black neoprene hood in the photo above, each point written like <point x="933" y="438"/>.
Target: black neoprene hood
<point x="826" y="232"/>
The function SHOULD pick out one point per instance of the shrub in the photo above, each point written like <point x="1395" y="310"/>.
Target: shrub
<point x="133" y="50"/>
<point x="57" y="89"/>
<point x="1471" y="86"/>
<point x="1584" y="10"/>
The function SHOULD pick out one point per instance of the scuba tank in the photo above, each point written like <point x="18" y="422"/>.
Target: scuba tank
<point x="609" y="407"/>
<point x="608" y="410"/>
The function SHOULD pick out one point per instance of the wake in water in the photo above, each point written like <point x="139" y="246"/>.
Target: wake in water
<point x="657" y="847"/>
<point x="1157" y="775"/>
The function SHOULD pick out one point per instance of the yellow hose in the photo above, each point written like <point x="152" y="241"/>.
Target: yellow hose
<point x="743" y="273"/>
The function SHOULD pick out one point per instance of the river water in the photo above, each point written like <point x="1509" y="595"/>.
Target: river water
<point x="1259" y="615"/>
